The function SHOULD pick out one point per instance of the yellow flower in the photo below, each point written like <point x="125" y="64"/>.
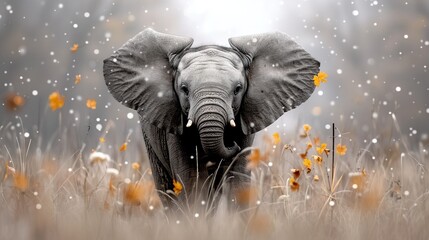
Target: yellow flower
<point x="307" y="128"/>
<point x="77" y="79"/>
<point x="135" y="166"/>
<point x="341" y="149"/>
<point x="56" y="101"/>
<point x="102" y="140"/>
<point x="307" y="164"/>
<point x="91" y="104"/>
<point x="177" y="187"/>
<point x="123" y="147"/>
<point x="294" y="185"/>
<point x="322" y="149"/>
<point x="320" y="78"/>
<point x="276" y="138"/>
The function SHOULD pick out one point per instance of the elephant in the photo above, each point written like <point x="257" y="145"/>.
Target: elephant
<point x="200" y="106"/>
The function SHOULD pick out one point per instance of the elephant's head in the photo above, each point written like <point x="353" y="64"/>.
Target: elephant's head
<point x="248" y="86"/>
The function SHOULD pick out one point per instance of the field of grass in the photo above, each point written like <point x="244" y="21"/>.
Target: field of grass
<point x="376" y="189"/>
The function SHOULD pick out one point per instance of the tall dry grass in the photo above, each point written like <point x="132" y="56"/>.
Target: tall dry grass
<point x="376" y="190"/>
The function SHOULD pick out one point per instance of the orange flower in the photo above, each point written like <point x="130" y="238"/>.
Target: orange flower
<point x="255" y="158"/>
<point x="247" y="195"/>
<point x="91" y="104"/>
<point x="133" y="193"/>
<point x="304" y="155"/>
<point x="14" y="101"/>
<point x="9" y="171"/>
<point x="177" y="187"/>
<point x="309" y="146"/>
<point x="307" y="164"/>
<point x="140" y="194"/>
<point x="56" y="101"/>
<point x="294" y="185"/>
<point x="74" y="48"/>
<point x="20" y="181"/>
<point x="123" y="147"/>
<point x="316" y="141"/>
<point x="320" y="78"/>
<point x="341" y="149"/>
<point x="77" y="79"/>
<point x="296" y="173"/>
<point x="276" y="138"/>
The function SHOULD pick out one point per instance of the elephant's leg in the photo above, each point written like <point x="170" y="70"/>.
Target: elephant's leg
<point x="186" y="167"/>
<point x="161" y="177"/>
<point x="160" y="168"/>
<point x="239" y="174"/>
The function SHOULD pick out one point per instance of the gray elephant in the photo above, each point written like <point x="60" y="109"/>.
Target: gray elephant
<point x="203" y="105"/>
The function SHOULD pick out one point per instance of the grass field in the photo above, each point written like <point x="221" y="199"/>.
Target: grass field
<point x="377" y="189"/>
<point x="72" y="158"/>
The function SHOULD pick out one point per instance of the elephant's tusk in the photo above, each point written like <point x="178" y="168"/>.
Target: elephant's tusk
<point x="189" y="123"/>
<point x="232" y="123"/>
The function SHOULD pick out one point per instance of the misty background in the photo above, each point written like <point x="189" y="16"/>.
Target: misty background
<point x="375" y="52"/>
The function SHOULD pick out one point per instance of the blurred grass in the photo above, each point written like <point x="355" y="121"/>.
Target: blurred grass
<point x="66" y="191"/>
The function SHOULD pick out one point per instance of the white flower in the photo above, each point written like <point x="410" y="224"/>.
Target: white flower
<point x="283" y="198"/>
<point x="112" y="171"/>
<point x="99" y="157"/>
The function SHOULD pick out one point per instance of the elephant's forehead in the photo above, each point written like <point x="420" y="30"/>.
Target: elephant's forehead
<point x="210" y="58"/>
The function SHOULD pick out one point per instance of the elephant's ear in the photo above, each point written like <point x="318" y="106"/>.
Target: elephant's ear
<point x="140" y="76"/>
<point x="280" y="77"/>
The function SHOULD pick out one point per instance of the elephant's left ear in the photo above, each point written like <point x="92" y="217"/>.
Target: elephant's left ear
<point x="280" y="77"/>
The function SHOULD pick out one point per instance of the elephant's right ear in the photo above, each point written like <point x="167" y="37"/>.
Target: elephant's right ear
<point x="140" y="76"/>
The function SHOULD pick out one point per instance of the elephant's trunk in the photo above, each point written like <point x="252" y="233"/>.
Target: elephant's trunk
<point x="212" y="113"/>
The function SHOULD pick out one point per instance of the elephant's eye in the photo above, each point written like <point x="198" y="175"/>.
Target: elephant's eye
<point x="237" y="89"/>
<point x="185" y="89"/>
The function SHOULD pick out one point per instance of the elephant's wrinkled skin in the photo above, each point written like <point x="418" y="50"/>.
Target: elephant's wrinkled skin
<point x="204" y="104"/>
